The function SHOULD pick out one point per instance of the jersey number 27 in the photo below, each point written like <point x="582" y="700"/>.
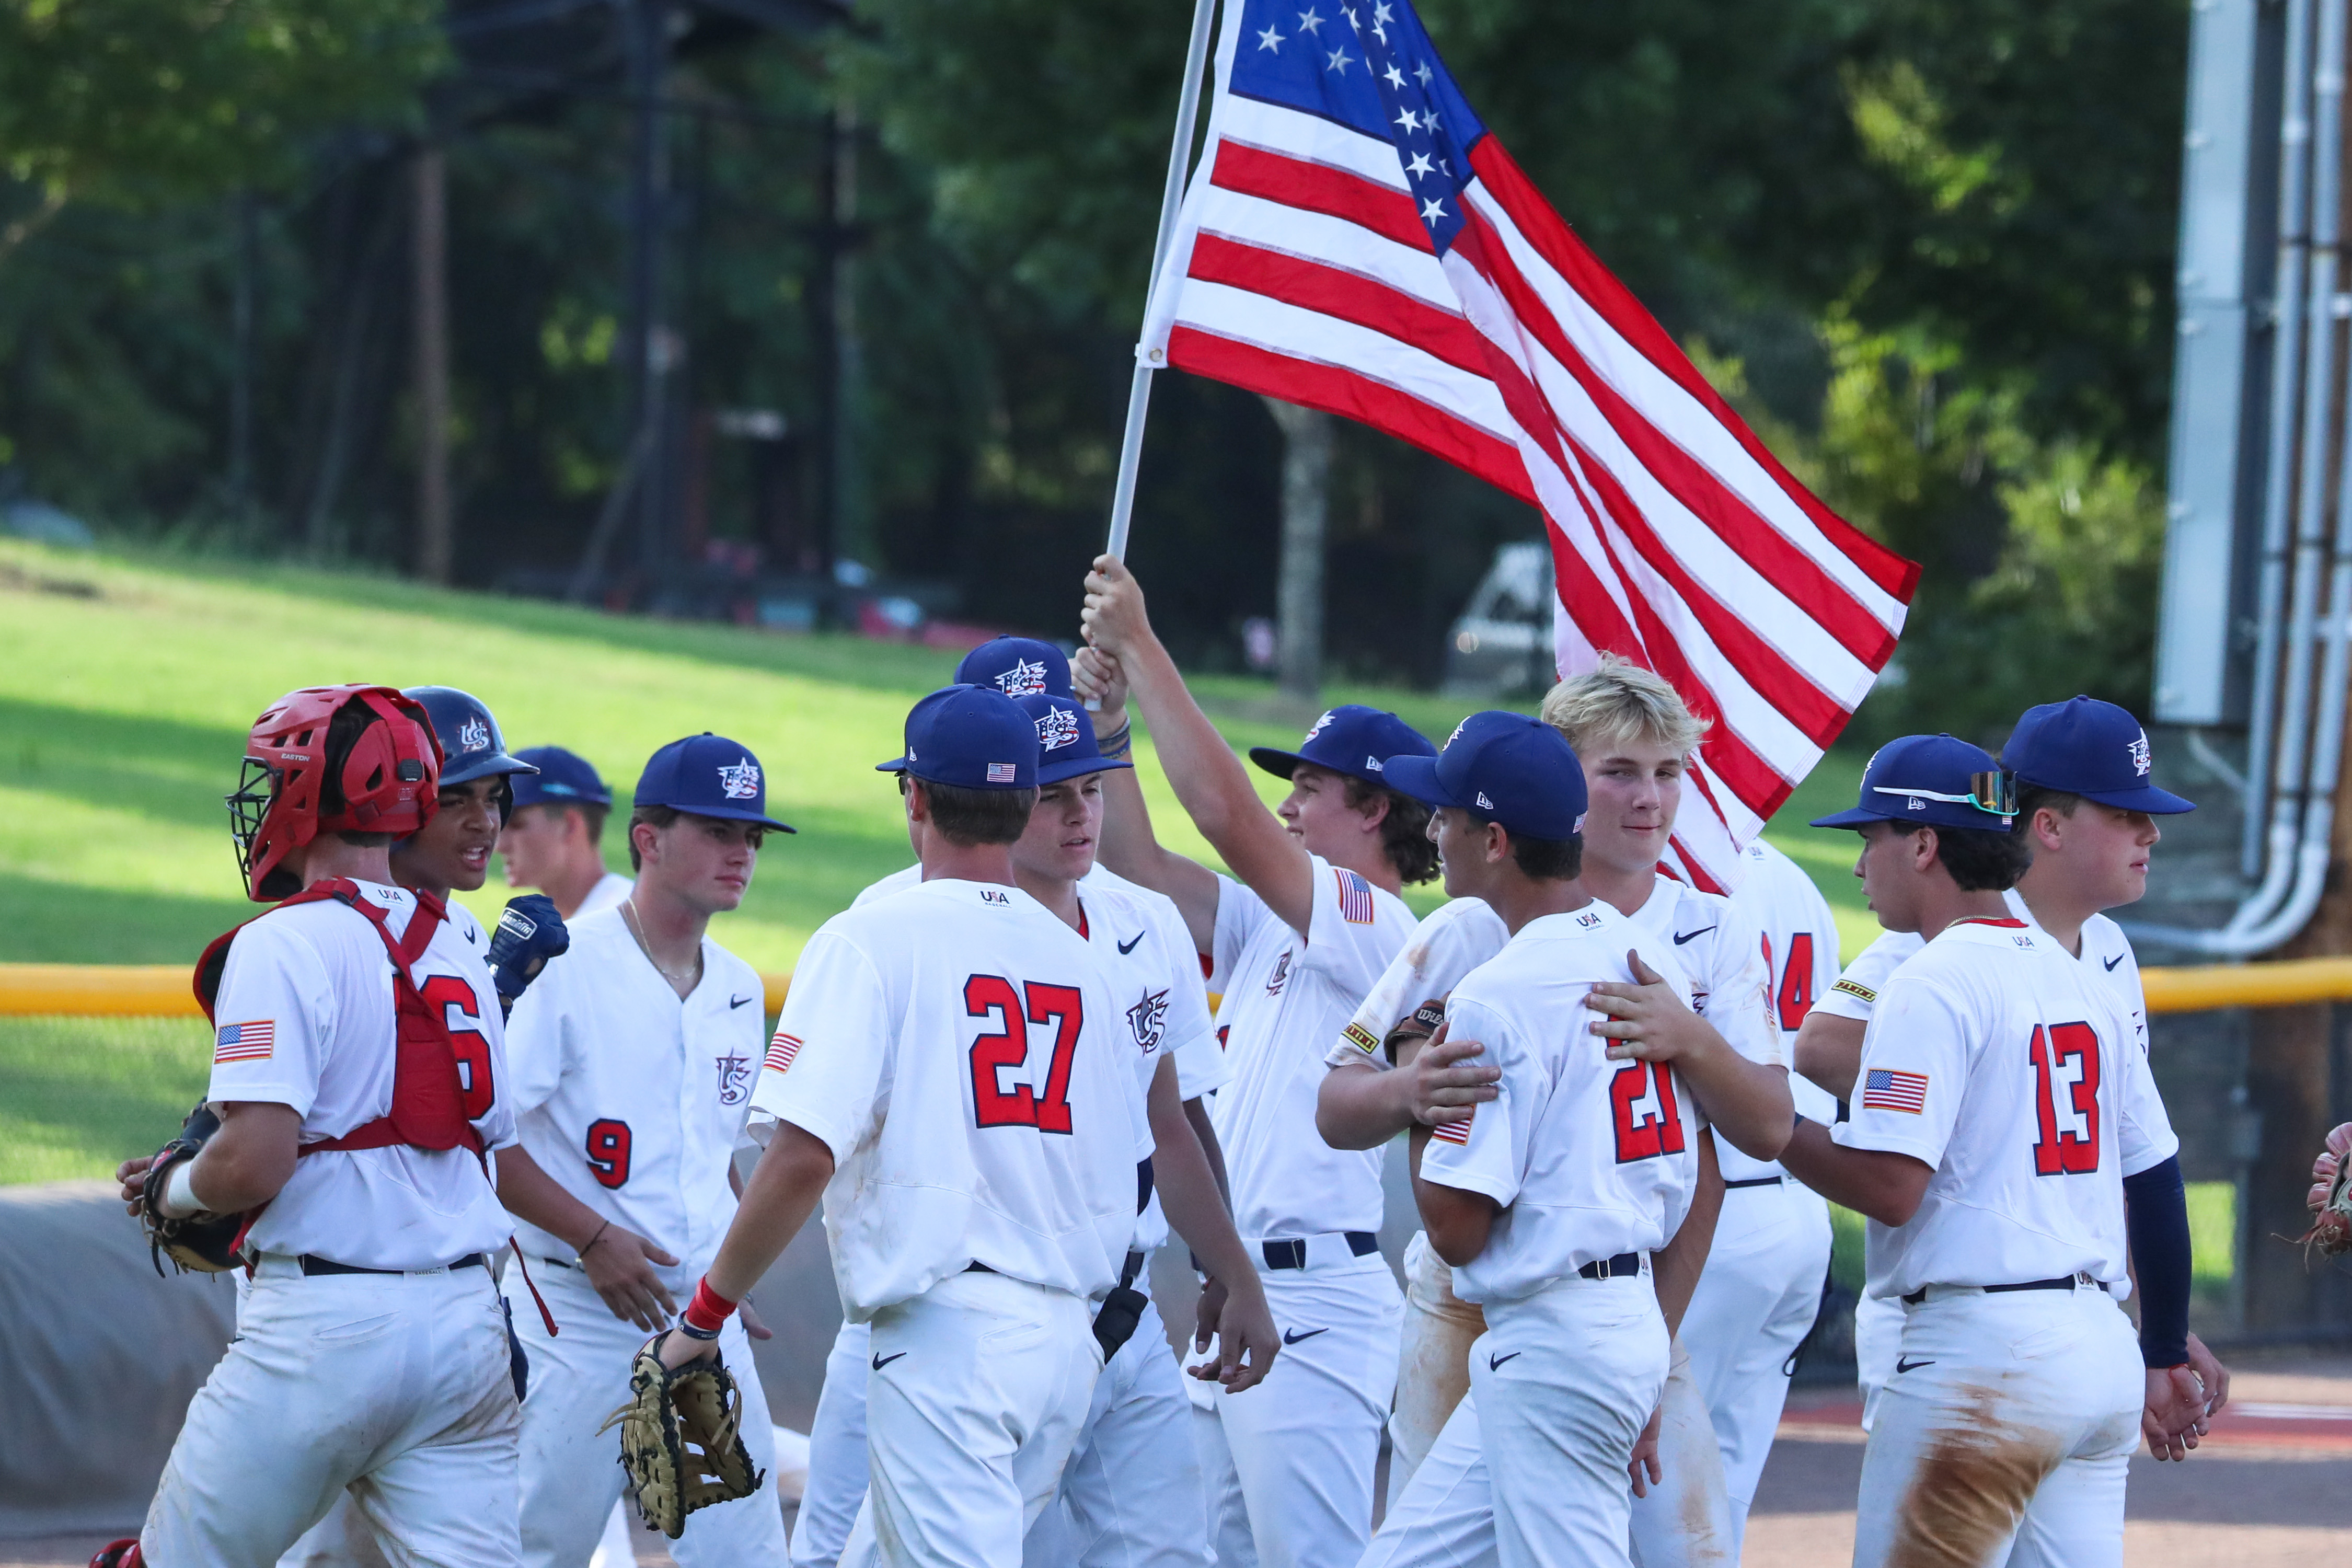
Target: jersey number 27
<point x="993" y="997"/>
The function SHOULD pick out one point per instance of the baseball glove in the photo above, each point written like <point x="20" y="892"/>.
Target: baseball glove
<point x="682" y="1438"/>
<point x="2331" y="1197"/>
<point x="202" y="1242"/>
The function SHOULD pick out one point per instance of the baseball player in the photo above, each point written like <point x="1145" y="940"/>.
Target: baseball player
<point x="633" y="1060"/>
<point x="1296" y="936"/>
<point x="954" y="1073"/>
<point x="2088" y="815"/>
<point x="359" y="1072"/>
<point x="554" y="833"/>
<point x="2003" y="1102"/>
<point x="1550" y="1200"/>
<point x="1633" y="733"/>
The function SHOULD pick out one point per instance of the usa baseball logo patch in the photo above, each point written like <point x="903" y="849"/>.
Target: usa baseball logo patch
<point x="1147" y="1019"/>
<point x="780" y="1052"/>
<point x="245" y="1042"/>
<point x="734" y="1079"/>
<point x="740" y="782"/>
<point x="1889" y="1089"/>
<point x="1455" y="1131"/>
<point x="473" y="736"/>
<point x="1355" y="897"/>
<point x="1058" y="729"/>
<point x="1025" y="678"/>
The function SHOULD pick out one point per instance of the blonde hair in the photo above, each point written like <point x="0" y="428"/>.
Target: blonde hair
<point x="1618" y="702"/>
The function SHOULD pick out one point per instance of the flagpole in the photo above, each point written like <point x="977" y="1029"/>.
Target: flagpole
<point x="1179" y="159"/>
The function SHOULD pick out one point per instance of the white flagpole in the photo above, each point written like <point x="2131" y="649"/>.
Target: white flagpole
<point x="1179" y="159"/>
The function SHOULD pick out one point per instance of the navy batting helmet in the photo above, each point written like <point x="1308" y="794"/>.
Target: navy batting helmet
<point x="471" y="745"/>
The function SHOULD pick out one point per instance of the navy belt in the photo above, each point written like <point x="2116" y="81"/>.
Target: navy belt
<point x="1754" y="1182"/>
<point x="1290" y="1252"/>
<point x="2063" y="1282"/>
<point x="1615" y="1267"/>
<point x="317" y="1265"/>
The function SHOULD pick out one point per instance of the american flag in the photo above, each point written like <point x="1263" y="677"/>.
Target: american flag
<point x="1888" y="1089"/>
<point x="1354" y="240"/>
<point x="245" y="1042"/>
<point x="780" y="1052"/>
<point x="1002" y="772"/>
<point x="1455" y="1131"/>
<point x="1355" y="897"/>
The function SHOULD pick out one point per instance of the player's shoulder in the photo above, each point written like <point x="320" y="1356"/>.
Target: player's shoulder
<point x="896" y="883"/>
<point x="1463" y="919"/>
<point x="1363" y="901"/>
<point x="718" y="964"/>
<point x="1988" y="956"/>
<point x="325" y="922"/>
<point x="2105" y="943"/>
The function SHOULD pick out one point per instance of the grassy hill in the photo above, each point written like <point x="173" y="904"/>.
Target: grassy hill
<point x="127" y="686"/>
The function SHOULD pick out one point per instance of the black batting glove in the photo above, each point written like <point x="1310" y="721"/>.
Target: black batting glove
<point x="530" y="933"/>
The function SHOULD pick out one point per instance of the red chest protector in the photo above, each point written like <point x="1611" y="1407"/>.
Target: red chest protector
<point x="436" y="1075"/>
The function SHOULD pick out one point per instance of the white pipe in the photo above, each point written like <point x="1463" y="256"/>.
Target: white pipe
<point x="2295" y="153"/>
<point x="1171" y="196"/>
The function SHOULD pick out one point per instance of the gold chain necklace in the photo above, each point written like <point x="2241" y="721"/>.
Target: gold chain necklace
<point x="636" y="930"/>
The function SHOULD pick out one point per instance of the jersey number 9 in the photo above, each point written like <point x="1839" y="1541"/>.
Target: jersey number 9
<point x="608" y="1152"/>
<point x="992" y="1105"/>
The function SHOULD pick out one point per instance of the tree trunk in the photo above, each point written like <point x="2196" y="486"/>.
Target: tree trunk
<point x="1305" y="510"/>
<point x="433" y="543"/>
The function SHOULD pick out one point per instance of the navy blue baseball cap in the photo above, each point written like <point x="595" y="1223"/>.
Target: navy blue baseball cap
<point x="709" y="776"/>
<point x="1018" y="667"/>
<point x="1066" y="739"/>
<point x="2090" y="748"/>
<point x="972" y="737"/>
<point x="1938" y="780"/>
<point x="1350" y="739"/>
<point x="563" y="778"/>
<point x="471" y="746"/>
<point x="1506" y="767"/>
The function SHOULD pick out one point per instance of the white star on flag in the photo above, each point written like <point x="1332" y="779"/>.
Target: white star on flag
<point x="1406" y="118"/>
<point x="1309" y="22"/>
<point x="1424" y="74"/>
<point x="1430" y="211"/>
<point x="1420" y="166"/>
<point x="1341" y="61"/>
<point x="1270" y="39"/>
<point x="1395" y="76"/>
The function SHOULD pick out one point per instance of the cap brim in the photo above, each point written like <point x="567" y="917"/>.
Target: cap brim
<point x="1281" y="764"/>
<point x="1417" y="777"/>
<point x="2154" y="801"/>
<point x="737" y="814"/>
<point x="895" y="765"/>
<point x="1854" y="816"/>
<point x="1061" y="772"/>
<point x="485" y="767"/>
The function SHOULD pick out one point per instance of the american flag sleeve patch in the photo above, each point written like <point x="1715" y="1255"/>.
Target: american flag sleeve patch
<point x="1355" y="897"/>
<point x="1363" y="1039"/>
<point x="245" y="1042"/>
<point x="1890" y="1088"/>
<point x="780" y="1052"/>
<point x="1455" y="1131"/>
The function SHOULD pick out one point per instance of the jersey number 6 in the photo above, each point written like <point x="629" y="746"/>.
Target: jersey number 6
<point x="1643" y="1131"/>
<point x="458" y="1008"/>
<point x="993" y="1105"/>
<point x="2061" y="1151"/>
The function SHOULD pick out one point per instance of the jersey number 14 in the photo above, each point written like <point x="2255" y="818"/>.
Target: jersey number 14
<point x="992" y="996"/>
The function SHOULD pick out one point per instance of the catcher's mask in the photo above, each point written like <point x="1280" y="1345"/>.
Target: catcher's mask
<point x="388" y="776"/>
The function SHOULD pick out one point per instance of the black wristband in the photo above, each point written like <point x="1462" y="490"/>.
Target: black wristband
<point x="690" y="1331"/>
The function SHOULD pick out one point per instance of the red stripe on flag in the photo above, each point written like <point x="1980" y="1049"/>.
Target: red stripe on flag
<point x="1353" y="395"/>
<point x="1320" y="188"/>
<point x="1345" y="296"/>
<point x="1582" y="271"/>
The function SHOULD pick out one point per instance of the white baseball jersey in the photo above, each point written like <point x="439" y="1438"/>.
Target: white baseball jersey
<point x="1723" y="955"/>
<point x="1799" y="938"/>
<point x="304" y="1018"/>
<point x="607" y="894"/>
<point x="962" y="1052"/>
<point x="1587" y="1157"/>
<point x="1286" y="997"/>
<point x="632" y="1099"/>
<point x="1994" y="1057"/>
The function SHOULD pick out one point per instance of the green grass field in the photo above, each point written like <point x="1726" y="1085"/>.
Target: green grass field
<point x="127" y="684"/>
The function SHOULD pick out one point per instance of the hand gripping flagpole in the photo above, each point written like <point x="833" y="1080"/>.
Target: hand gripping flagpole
<point x="1179" y="159"/>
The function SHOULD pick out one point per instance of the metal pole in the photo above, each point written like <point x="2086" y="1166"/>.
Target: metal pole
<point x="1180" y="161"/>
<point x="648" y="21"/>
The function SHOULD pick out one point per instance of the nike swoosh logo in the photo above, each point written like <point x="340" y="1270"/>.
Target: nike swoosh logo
<point x="1292" y="1336"/>
<point x="1902" y="1365"/>
<point x="2113" y="961"/>
<point x="1689" y="935"/>
<point x="1129" y="945"/>
<point x="882" y="1360"/>
<point x="735" y="1001"/>
<point x="1494" y="1362"/>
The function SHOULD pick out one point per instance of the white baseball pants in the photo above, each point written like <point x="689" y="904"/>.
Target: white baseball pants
<point x="1288" y="1464"/>
<point x="395" y="1387"/>
<point x="1530" y="1469"/>
<point x="1878" y="1344"/>
<point x="1685" y="1520"/>
<point x="837" y="1468"/>
<point x="1433" y="1360"/>
<point x="2005" y="1433"/>
<point x="569" y="1479"/>
<point x="1754" y="1303"/>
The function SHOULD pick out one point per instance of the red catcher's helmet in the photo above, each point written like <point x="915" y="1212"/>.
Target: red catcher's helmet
<point x="390" y="781"/>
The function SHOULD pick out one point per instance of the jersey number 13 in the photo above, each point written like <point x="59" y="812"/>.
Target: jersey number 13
<point x="2066" y="1064"/>
<point x="993" y="997"/>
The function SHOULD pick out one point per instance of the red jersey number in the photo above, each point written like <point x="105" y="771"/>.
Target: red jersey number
<point x="1641" y="1106"/>
<point x="459" y="1009"/>
<point x="993" y="997"/>
<point x="1794" y="996"/>
<point x="2067" y="1062"/>
<point x="608" y="1152"/>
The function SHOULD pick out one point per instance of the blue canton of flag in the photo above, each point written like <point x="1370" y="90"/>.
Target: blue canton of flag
<point x="1885" y="1088"/>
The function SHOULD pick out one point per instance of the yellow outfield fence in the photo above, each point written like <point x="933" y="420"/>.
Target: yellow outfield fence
<point x="162" y="990"/>
<point x="144" y="991"/>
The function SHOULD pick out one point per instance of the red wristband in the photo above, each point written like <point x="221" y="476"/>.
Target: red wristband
<point x="708" y="1310"/>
